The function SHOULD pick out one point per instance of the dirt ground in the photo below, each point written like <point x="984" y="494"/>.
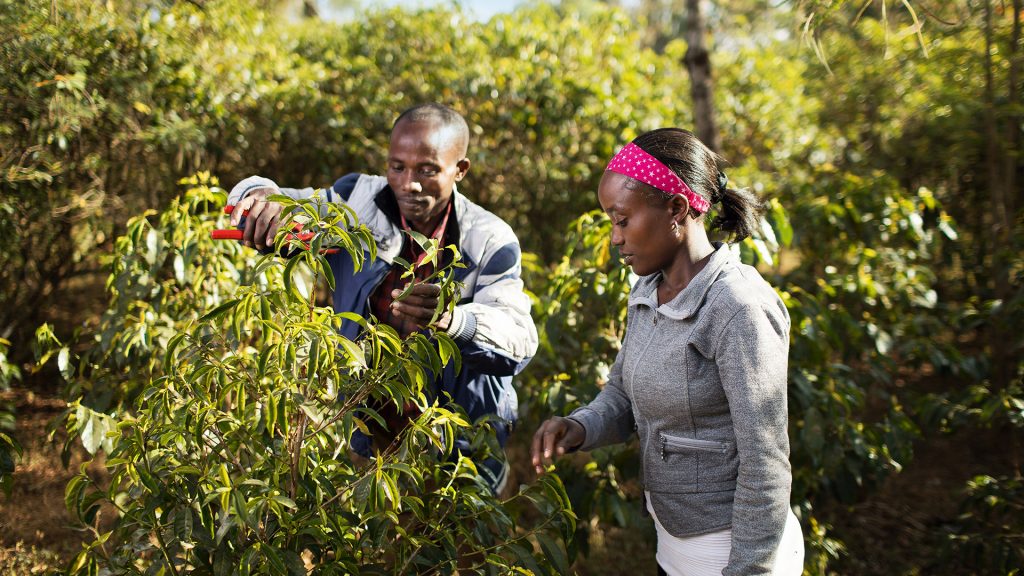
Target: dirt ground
<point x="902" y="528"/>
<point x="37" y="534"/>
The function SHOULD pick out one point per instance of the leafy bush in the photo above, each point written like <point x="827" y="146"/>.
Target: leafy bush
<point x="231" y="454"/>
<point x="987" y="534"/>
<point x="9" y="447"/>
<point x="107" y="102"/>
<point x="580" y="310"/>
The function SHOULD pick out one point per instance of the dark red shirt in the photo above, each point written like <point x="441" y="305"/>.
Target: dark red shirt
<point x="381" y="299"/>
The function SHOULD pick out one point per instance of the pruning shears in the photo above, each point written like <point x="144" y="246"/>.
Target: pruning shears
<point x="237" y="233"/>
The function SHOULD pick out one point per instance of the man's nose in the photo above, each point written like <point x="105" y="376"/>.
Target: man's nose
<point x="410" y="184"/>
<point x="617" y="239"/>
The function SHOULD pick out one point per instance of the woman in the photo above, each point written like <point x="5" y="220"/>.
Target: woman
<point x="701" y="375"/>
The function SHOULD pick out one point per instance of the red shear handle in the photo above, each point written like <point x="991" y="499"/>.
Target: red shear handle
<point x="235" y="234"/>
<point x="227" y="234"/>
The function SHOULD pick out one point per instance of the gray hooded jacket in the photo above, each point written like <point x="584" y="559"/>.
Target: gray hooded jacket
<point x="702" y="380"/>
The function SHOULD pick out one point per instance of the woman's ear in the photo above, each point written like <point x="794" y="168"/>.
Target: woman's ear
<point x="680" y="208"/>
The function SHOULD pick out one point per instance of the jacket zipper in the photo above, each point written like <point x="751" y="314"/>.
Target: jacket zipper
<point x="691" y="444"/>
<point x="632" y="382"/>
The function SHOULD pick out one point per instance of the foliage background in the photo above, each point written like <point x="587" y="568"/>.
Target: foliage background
<point x="884" y="238"/>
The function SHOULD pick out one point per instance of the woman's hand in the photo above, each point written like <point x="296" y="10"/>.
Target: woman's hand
<point x="553" y="438"/>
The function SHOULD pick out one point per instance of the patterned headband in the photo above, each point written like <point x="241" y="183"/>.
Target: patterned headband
<point x="636" y="163"/>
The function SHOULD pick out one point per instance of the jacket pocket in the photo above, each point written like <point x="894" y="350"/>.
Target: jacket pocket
<point x="673" y="444"/>
<point x="683" y="465"/>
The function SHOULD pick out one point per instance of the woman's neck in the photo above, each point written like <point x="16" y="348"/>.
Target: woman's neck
<point x="693" y="254"/>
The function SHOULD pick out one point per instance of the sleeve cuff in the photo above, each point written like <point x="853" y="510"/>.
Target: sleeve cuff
<point x="585" y="433"/>
<point x="586" y="417"/>
<point x="242" y="189"/>
<point x="462" y="327"/>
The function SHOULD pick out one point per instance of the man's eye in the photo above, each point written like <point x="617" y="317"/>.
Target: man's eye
<point x="428" y="171"/>
<point x="396" y="168"/>
<point x="621" y="222"/>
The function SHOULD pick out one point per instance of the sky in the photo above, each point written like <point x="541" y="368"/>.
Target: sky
<point x="483" y="10"/>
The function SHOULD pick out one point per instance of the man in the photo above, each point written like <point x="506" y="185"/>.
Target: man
<point x="491" y="323"/>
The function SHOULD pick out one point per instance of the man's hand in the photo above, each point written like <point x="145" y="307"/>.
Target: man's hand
<point x="419" y="305"/>
<point x="262" y="221"/>
<point x="555" y="437"/>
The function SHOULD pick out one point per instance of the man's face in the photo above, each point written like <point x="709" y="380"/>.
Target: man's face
<point x="425" y="160"/>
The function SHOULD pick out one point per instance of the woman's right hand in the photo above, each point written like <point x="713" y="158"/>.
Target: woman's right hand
<point x="555" y="437"/>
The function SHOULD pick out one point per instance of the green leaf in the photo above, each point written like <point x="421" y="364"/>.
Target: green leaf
<point x="74" y="494"/>
<point x="448" y="350"/>
<point x="219" y="310"/>
<point x="525" y="558"/>
<point x="285" y="501"/>
<point x="272" y="556"/>
<point x="64" y="363"/>
<point x="353" y="351"/>
<point x="555" y="554"/>
<point x="289" y="278"/>
<point x="780" y="220"/>
<point x="93" y="429"/>
<point x="183" y="524"/>
<point x="241" y="509"/>
<point x="312" y="365"/>
<point x="326" y="268"/>
<point x="420" y="239"/>
<point x="294" y="562"/>
<point x="172" y="347"/>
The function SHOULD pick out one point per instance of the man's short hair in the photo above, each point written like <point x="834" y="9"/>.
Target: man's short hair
<point x="447" y="117"/>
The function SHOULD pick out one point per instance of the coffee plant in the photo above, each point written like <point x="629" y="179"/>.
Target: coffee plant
<point x="228" y="450"/>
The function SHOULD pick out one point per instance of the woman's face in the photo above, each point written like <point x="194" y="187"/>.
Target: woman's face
<point x="641" y="230"/>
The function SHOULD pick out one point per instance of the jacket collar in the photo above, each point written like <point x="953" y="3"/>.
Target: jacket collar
<point x="689" y="301"/>
<point x="388" y="204"/>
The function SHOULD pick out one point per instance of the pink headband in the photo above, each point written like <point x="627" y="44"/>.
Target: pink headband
<point x="634" y="162"/>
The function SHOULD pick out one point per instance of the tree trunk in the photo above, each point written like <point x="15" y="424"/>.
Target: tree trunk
<point x="309" y="9"/>
<point x="698" y="64"/>
<point x="1001" y="167"/>
<point x="1013" y="127"/>
<point x="1011" y="161"/>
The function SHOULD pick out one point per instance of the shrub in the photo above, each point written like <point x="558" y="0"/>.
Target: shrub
<point x="231" y="453"/>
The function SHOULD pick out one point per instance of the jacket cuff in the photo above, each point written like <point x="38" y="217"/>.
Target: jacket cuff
<point x="584" y="443"/>
<point x="590" y="422"/>
<point x="462" y="327"/>
<point x="242" y="189"/>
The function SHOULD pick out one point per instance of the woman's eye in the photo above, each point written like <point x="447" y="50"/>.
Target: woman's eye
<point x="396" y="168"/>
<point x="621" y="222"/>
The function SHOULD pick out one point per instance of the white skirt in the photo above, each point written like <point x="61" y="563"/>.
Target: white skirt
<point x="708" y="554"/>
